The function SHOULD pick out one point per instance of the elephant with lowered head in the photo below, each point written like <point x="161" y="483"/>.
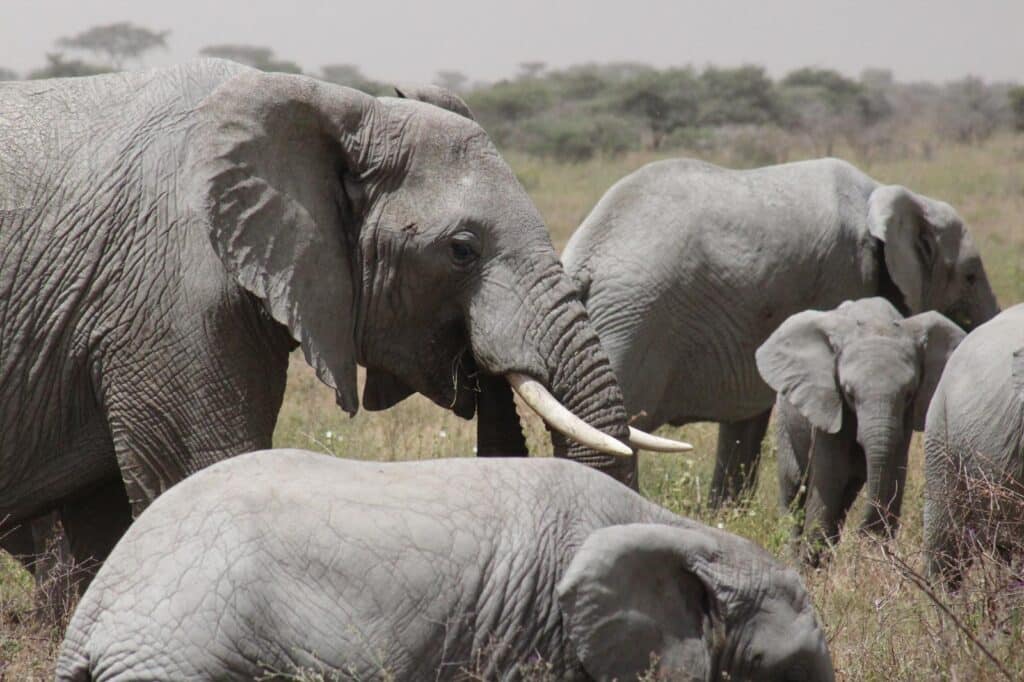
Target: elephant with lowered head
<point x="686" y="268"/>
<point x="168" y="236"/>
<point x="853" y="384"/>
<point x="974" y="450"/>
<point x="289" y="562"/>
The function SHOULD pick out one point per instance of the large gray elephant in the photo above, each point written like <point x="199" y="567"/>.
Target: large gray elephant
<point x="853" y="384"/>
<point x="686" y="268"/>
<point x="168" y="236"/>
<point x="974" y="449"/>
<point x="289" y="561"/>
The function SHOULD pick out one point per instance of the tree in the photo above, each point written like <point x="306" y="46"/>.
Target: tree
<point x="351" y="76"/>
<point x="117" y="42"/>
<point x="970" y="111"/>
<point x="7" y="75"/>
<point x="531" y="69"/>
<point x="59" y="67"/>
<point x="745" y="95"/>
<point x="256" y="56"/>
<point x="453" y="80"/>
<point x="1016" y="97"/>
<point x="825" y="105"/>
<point x="663" y="100"/>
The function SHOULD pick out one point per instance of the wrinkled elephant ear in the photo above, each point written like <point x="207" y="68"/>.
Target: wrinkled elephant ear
<point x="921" y="235"/>
<point x="937" y="337"/>
<point x="276" y="158"/>
<point x="799" y="361"/>
<point x="439" y="97"/>
<point x="640" y="594"/>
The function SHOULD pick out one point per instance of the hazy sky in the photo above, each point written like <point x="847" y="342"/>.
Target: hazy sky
<point x="918" y="39"/>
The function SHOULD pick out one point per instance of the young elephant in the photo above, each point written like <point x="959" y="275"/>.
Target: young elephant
<point x="280" y="561"/>
<point x="974" y="448"/>
<point x="853" y="384"/>
<point x="686" y="268"/>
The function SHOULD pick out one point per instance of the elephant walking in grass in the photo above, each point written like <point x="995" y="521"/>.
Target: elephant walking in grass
<point x="686" y="268"/>
<point x="974" y="450"/>
<point x="853" y="384"/>
<point x="291" y="562"/>
<point x="168" y="236"/>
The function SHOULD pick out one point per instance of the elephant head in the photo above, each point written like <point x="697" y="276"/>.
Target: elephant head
<point x="643" y="597"/>
<point x="390" y="233"/>
<point x="930" y="256"/>
<point x="862" y="362"/>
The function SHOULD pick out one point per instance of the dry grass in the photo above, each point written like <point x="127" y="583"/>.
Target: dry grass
<point x="881" y="625"/>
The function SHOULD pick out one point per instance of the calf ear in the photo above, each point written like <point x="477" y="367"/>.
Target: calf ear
<point x="937" y="337"/>
<point x="439" y="97"/>
<point x="799" y="361"/>
<point x="639" y="597"/>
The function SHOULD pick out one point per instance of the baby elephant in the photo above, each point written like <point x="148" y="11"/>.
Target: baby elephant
<point x="284" y="561"/>
<point x="853" y="384"/>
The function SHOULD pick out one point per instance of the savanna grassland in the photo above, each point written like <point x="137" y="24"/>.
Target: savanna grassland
<point x="882" y="623"/>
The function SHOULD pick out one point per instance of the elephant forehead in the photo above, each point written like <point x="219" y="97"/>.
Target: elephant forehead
<point x="880" y="359"/>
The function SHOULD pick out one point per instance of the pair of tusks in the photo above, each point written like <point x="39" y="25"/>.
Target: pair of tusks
<point x="561" y="419"/>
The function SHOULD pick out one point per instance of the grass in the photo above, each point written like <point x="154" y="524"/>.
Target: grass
<point x="881" y="624"/>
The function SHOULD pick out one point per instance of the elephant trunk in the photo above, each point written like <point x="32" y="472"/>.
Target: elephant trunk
<point x="558" y="348"/>
<point x="885" y="446"/>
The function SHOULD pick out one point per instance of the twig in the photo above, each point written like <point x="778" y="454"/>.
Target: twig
<point x="921" y="583"/>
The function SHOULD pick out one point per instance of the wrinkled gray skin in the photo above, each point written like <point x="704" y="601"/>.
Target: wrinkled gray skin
<point x="974" y="449"/>
<point x="853" y="385"/>
<point x="686" y="268"/>
<point x="285" y="560"/>
<point x="166" y="237"/>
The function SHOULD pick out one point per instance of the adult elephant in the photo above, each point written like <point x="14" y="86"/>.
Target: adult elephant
<point x="686" y="268"/>
<point x="166" y="238"/>
<point x="974" y="449"/>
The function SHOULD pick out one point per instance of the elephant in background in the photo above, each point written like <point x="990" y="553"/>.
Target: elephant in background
<point x="974" y="450"/>
<point x="686" y="268"/>
<point x="167" y="237"/>
<point x="276" y="562"/>
<point x="852" y="386"/>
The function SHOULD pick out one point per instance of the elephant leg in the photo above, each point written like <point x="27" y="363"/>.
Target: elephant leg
<point x="94" y="524"/>
<point x="832" y="486"/>
<point x="737" y="458"/>
<point x="499" y="432"/>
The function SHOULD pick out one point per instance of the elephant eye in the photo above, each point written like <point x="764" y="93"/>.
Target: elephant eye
<point x="464" y="248"/>
<point x="971" y="278"/>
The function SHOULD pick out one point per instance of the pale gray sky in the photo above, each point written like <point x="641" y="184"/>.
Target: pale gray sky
<point x="918" y="39"/>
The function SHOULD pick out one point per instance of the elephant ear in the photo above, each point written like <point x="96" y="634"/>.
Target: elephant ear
<point x="439" y="97"/>
<point x="639" y="594"/>
<point x="921" y="237"/>
<point x="799" y="361"/>
<point x="277" y="162"/>
<point x="937" y="338"/>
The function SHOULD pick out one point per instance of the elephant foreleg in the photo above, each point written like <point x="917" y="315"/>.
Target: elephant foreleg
<point x="737" y="458"/>
<point x="94" y="524"/>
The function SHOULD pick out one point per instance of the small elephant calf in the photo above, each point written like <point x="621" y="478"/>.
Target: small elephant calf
<point x="853" y="384"/>
<point x="283" y="561"/>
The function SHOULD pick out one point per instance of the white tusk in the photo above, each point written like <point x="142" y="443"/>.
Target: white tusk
<point x="561" y="419"/>
<point x="642" y="440"/>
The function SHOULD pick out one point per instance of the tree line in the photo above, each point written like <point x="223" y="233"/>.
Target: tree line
<point x="575" y="113"/>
